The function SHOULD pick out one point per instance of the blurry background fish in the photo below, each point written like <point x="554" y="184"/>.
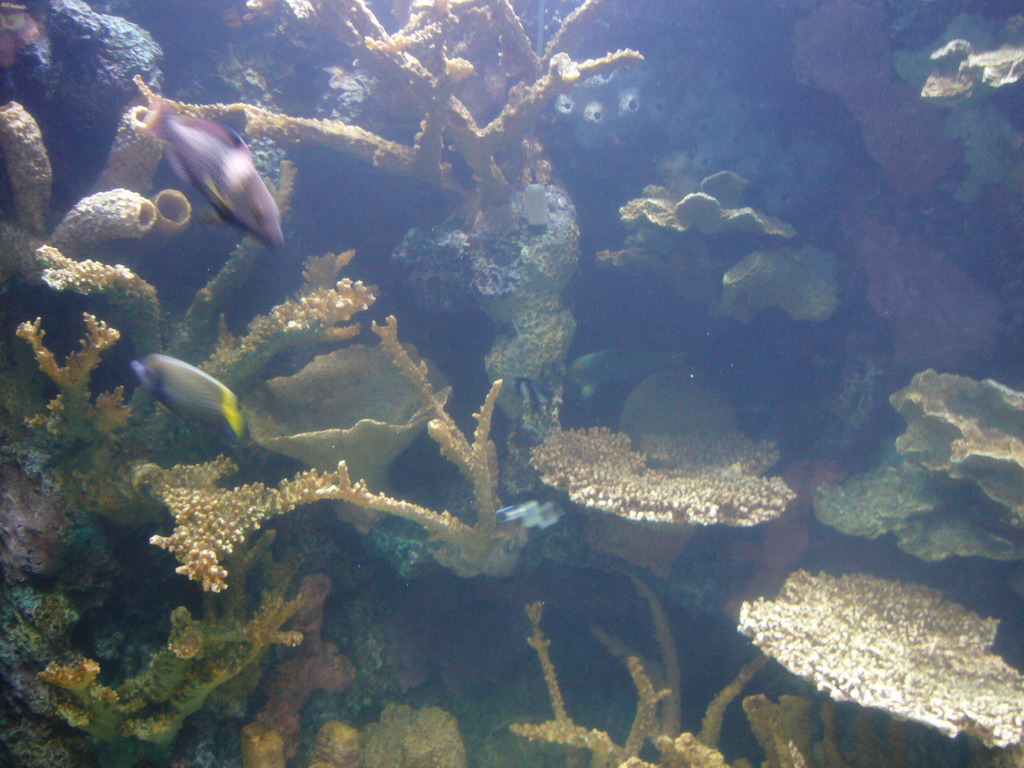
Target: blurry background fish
<point x="531" y="514"/>
<point x="591" y="375"/>
<point x="214" y="159"/>
<point x="188" y="391"/>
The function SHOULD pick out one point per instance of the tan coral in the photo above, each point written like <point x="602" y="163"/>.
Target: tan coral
<point x="120" y="285"/>
<point x="111" y="215"/>
<point x="714" y="482"/>
<point x="28" y="166"/>
<point x="414" y="738"/>
<point x="337" y="745"/>
<point x="701" y="211"/>
<point x="959" y="71"/>
<point x="262" y="747"/>
<point x="967" y="429"/>
<point x="365" y="423"/>
<point x="801" y="284"/>
<point x="899" y="647"/>
<point x="74" y="412"/>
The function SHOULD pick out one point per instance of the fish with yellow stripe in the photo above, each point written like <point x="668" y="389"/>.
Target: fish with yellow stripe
<point x="188" y="391"/>
<point x="214" y="159"/>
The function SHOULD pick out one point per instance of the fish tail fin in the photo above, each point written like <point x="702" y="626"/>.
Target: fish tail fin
<point x="232" y="414"/>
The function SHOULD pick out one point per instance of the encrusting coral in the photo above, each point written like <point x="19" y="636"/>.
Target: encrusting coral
<point x="960" y="72"/>
<point x="902" y="648"/>
<point x="800" y="283"/>
<point x="715" y="482"/>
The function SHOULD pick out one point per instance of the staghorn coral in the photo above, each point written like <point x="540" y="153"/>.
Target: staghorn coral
<point x="28" y="166"/>
<point x="74" y="413"/>
<point x="200" y="657"/>
<point x="437" y="68"/>
<point x="210" y="521"/>
<point x="899" y="647"/>
<point x="968" y="429"/>
<point x="562" y="730"/>
<point x="678" y="750"/>
<point x="717" y="482"/>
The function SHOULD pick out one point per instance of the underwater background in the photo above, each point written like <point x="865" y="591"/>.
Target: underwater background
<point x="638" y="383"/>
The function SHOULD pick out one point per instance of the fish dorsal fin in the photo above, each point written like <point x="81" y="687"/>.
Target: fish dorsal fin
<point x="234" y="139"/>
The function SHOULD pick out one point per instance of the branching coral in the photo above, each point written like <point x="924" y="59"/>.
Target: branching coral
<point x="74" y="413"/>
<point x="200" y="657"/>
<point x="562" y="730"/>
<point x="434" y="68"/>
<point x="704" y="484"/>
<point x="678" y="750"/>
<point x="210" y="521"/>
<point x="315" y="314"/>
<point x="899" y="647"/>
<point x="126" y="290"/>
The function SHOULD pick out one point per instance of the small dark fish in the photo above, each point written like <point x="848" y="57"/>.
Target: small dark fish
<point x="533" y="393"/>
<point x="590" y="374"/>
<point x="187" y="391"/>
<point x="531" y="514"/>
<point x="214" y="159"/>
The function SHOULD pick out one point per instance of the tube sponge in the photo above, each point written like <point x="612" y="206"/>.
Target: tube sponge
<point x="28" y="166"/>
<point x="134" y="155"/>
<point x="110" y="215"/>
<point x="173" y="211"/>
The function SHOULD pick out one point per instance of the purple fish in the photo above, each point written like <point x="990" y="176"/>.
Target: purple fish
<point x="214" y="159"/>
